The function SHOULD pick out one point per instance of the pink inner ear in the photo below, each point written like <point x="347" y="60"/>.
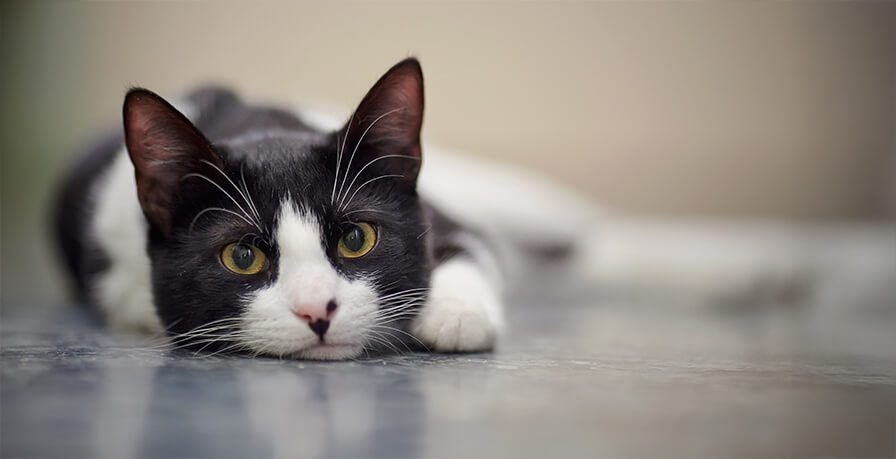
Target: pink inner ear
<point x="393" y="108"/>
<point x="156" y="132"/>
<point x="163" y="146"/>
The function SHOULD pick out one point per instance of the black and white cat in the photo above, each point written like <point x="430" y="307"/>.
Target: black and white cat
<point x="256" y="229"/>
<point x="237" y="227"/>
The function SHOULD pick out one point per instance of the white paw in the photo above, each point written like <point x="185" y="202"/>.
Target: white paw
<point x="463" y="313"/>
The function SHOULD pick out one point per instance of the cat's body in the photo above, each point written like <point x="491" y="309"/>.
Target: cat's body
<point x="240" y="233"/>
<point x="150" y="253"/>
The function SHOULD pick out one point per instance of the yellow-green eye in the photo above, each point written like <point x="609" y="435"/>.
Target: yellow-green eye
<point x="243" y="258"/>
<point x="357" y="240"/>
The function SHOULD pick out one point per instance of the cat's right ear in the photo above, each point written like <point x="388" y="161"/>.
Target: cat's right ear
<point x="164" y="146"/>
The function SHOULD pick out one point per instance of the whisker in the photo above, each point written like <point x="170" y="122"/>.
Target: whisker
<point x="403" y="292"/>
<point x="404" y="333"/>
<point x="248" y="195"/>
<point x="226" y="337"/>
<point x="365" y="183"/>
<point x="383" y="341"/>
<point x="229" y="180"/>
<point x="396" y="317"/>
<point x="399" y="303"/>
<point x="384" y="303"/>
<point x="425" y="231"/>
<point x="358" y="144"/>
<point x="339" y="152"/>
<point x="368" y="165"/>
<point x="209" y="209"/>
<point x="194" y="174"/>
<point x="366" y="210"/>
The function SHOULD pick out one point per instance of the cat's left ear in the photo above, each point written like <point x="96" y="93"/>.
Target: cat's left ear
<point x="164" y="146"/>
<point x="385" y="128"/>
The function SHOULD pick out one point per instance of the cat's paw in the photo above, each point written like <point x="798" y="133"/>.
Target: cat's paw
<point x="463" y="312"/>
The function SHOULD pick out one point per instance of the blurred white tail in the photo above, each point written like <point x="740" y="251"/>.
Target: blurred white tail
<point x="718" y="263"/>
<point x="731" y="263"/>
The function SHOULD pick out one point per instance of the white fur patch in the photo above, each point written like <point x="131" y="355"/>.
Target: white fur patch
<point x="306" y="277"/>
<point x="119" y="229"/>
<point x="463" y="312"/>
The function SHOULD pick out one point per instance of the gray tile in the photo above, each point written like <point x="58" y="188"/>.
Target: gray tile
<point x="614" y="380"/>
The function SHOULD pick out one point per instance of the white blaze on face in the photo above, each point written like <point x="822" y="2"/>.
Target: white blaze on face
<point x="306" y="277"/>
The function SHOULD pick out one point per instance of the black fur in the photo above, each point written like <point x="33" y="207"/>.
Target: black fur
<point x="274" y="154"/>
<point x="73" y="211"/>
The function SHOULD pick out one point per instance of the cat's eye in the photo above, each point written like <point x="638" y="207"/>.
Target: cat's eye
<point x="357" y="240"/>
<point x="243" y="258"/>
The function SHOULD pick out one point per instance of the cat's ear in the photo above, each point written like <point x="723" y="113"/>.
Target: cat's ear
<point x="164" y="146"/>
<point x="386" y="125"/>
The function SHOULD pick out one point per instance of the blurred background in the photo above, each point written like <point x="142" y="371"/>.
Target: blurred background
<point x="745" y="153"/>
<point x="781" y="111"/>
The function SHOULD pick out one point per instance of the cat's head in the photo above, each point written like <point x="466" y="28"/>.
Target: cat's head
<point x="285" y="240"/>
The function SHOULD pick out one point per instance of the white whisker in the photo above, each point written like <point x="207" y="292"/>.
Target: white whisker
<point x="365" y="167"/>
<point x="425" y="231"/>
<point x="248" y="195"/>
<point x="365" y="210"/>
<point x="246" y="214"/>
<point x="367" y="182"/>
<point x="358" y="144"/>
<point x="238" y="190"/>
<point x="221" y="209"/>
<point x="403" y="333"/>
<point x="339" y="152"/>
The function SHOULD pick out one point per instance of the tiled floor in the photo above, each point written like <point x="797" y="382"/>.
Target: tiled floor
<point x="587" y="380"/>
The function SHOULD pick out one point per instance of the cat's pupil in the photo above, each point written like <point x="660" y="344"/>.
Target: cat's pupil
<point x="354" y="239"/>
<point x="243" y="256"/>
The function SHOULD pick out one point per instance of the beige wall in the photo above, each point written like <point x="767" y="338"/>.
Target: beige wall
<point x="783" y="109"/>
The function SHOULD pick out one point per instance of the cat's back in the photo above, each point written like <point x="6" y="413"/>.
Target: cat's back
<point x="75" y="207"/>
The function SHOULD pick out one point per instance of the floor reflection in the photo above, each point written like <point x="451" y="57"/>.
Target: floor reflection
<point x="36" y="401"/>
<point x="322" y="411"/>
<point x="199" y="413"/>
<point x="566" y="383"/>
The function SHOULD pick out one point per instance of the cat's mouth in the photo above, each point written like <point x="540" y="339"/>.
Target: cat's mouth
<point x="330" y="351"/>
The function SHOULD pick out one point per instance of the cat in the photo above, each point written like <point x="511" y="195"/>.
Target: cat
<point x="247" y="228"/>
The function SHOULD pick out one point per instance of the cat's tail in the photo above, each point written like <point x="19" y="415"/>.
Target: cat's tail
<point x="537" y="227"/>
<point x="510" y="203"/>
<point x="545" y="230"/>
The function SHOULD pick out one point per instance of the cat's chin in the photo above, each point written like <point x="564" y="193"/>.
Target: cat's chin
<point x="330" y="352"/>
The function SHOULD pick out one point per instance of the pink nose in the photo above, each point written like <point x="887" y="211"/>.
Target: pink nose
<point x="317" y="316"/>
<point x="313" y="312"/>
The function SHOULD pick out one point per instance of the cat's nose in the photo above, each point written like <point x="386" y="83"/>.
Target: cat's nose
<point x="317" y="316"/>
<point x="320" y="327"/>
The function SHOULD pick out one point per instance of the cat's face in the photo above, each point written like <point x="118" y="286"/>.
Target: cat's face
<point x="287" y="242"/>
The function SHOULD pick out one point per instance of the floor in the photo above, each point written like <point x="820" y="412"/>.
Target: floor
<point x="573" y="379"/>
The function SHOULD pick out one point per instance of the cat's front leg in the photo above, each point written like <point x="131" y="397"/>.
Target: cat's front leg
<point x="464" y="312"/>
